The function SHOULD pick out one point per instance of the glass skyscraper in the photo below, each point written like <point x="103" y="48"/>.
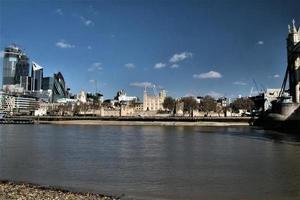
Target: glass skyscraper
<point x="22" y="72"/>
<point x="36" y="77"/>
<point x="11" y="57"/>
<point x="57" y="85"/>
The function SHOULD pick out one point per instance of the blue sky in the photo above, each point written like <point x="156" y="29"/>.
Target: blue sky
<point x="188" y="47"/>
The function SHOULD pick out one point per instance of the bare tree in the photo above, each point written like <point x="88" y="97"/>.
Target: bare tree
<point x="242" y="103"/>
<point x="169" y="103"/>
<point x="189" y="105"/>
<point x="208" y="104"/>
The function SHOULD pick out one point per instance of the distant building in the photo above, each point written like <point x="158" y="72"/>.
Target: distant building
<point x="153" y="103"/>
<point x="59" y="89"/>
<point x="57" y="85"/>
<point x="224" y="101"/>
<point x="81" y="97"/>
<point x="263" y="101"/>
<point x="17" y="79"/>
<point x="199" y="99"/>
<point x="15" y="70"/>
<point x="10" y="59"/>
<point x="123" y="98"/>
<point x="22" y="73"/>
<point x="18" y="104"/>
<point x="47" y="83"/>
<point x="36" y="77"/>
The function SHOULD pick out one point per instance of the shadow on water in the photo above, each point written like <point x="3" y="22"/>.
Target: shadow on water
<point x="258" y="133"/>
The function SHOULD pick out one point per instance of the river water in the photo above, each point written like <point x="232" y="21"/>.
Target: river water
<point x="154" y="162"/>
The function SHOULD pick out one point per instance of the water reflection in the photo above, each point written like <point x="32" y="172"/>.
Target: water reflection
<point x="154" y="162"/>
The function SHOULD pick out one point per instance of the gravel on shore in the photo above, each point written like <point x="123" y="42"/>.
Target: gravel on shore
<point x="24" y="191"/>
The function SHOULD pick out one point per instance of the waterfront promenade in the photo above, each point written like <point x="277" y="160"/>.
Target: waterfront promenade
<point x="155" y="120"/>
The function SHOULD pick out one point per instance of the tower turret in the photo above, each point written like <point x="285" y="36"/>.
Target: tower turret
<point x="293" y="56"/>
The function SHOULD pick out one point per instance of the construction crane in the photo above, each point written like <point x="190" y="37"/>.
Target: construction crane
<point x="255" y="84"/>
<point x="251" y="91"/>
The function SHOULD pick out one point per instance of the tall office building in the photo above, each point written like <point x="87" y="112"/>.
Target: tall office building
<point x="11" y="57"/>
<point x="36" y="77"/>
<point x="22" y="72"/>
<point x="57" y="85"/>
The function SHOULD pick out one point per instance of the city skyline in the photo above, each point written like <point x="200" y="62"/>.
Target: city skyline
<point x="189" y="48"/>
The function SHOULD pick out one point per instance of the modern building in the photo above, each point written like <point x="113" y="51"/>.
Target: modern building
<point x="48" y="83"/>
<point x="154" y="102"/>
<point x="57" y="85"/>
<point x="25" y="104"/>
<point x="22" y="72"/>
<point x="11" y="57"/>
<point x="36" y="77"/>
<point x="18" y="104"/>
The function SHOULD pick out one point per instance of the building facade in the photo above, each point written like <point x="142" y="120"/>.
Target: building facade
<point x="59" y="87"/>
<point x="123" y="98"/>
<point x="155" y="102"/>
<point x="17" y="104"/>
<point x="22" y="72"/>
<point x="293" y="51"/>
<point x="15" y="70"/>
<point x="11" y="57"/>
<point x="36" y="77"/>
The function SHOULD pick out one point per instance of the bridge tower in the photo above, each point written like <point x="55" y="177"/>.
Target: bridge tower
<point x="293" y="58"/>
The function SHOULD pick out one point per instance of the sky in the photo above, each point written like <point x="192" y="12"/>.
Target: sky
<point x="187" y="47"/>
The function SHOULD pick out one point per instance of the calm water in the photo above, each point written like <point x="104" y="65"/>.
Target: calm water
<point x="149" y="162"/>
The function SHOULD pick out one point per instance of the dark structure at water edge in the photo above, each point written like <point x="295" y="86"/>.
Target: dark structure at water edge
<point x="285" y="111"/>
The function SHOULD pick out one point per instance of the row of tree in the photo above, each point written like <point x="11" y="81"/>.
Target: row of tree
<point x="207" y="104"/>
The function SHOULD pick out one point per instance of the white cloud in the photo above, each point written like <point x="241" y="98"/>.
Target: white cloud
<point x="95" y="66"/>
<point x="59" y="11"/>
<point x="276" y="76"/>
<point x="215" y="94"/>
<point x="129" y="65"/>
<point x="159" y="65"/>
<point x="174" y="66"/>
<point x="89" y="47"/>
<point x="1" y="54"/>
<point x="64" y="45"/>
<point x="260" y="42"/>
<point x="210" y="74"/>
<point x="141" y="84"/>
<point x="180" y="57"/>
<point x="86" y="22"/>
<point x="239" y="83"/>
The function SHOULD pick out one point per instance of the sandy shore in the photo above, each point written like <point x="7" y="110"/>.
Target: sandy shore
<point x="19" y="191"/>
<point x="143" y="123"/>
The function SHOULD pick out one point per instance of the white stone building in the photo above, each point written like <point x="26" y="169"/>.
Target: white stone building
<point x="81" y="97"/>
<point x="155" y="102"/>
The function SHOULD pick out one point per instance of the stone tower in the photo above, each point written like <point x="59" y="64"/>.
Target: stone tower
<point x="145" y="99"/>
<point x="293" y="53"/>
